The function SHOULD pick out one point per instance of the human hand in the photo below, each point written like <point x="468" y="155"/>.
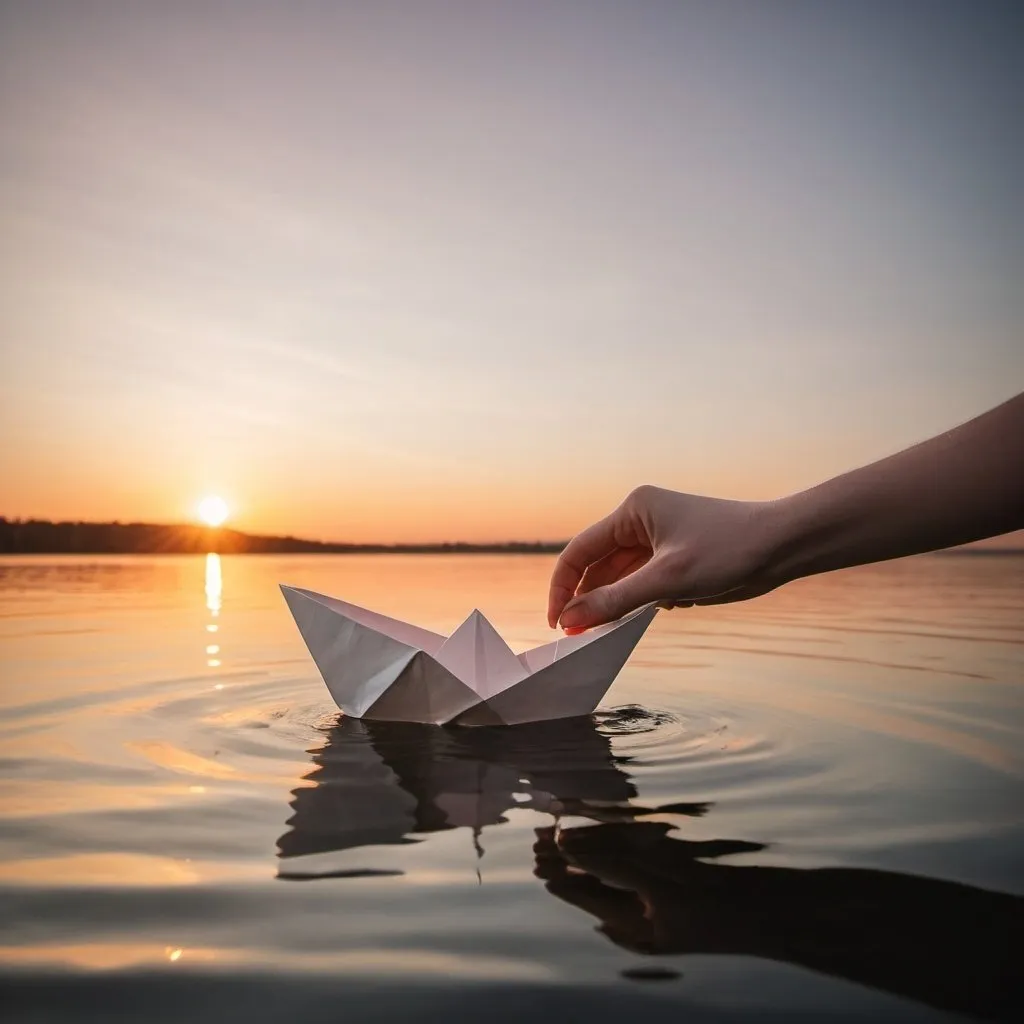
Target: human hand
<point x="659" y="545"/>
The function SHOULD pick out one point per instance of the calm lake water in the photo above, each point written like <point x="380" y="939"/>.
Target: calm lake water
<point x="809" y="806"/>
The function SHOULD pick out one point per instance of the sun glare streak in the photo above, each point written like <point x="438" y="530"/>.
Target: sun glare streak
<point x="214" y="588"/>
<point x="214" y="584"/>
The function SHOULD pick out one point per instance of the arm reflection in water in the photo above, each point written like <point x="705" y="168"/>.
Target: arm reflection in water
<point x="379" y="783"/>
<point x="942" y="943"/>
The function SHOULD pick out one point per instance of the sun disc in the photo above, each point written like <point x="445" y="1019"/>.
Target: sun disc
<point x="213" y="510"/>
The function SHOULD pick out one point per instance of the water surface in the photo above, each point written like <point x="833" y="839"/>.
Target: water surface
<point x="809" y="805"/>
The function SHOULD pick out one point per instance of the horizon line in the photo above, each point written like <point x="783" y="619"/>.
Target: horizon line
<point x="225" y="529"/>
<point x="536" y="546"/>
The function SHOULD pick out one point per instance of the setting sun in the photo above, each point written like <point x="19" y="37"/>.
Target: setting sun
<point x="212" y="510"/>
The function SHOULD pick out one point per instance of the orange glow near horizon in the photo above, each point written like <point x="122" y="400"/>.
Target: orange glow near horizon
<point x="409" y="330"/>
<point x="479" y="503"/>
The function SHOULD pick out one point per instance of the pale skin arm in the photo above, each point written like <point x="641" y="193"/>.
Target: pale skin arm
<point x="684" y="549"/>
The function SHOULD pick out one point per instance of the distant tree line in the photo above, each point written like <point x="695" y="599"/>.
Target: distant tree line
<point x="43" y="537"/>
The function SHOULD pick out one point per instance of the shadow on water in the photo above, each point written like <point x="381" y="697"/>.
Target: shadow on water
<point x="948" y="945"/>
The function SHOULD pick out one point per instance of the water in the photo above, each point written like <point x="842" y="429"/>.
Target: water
<point x="189" y="831"/>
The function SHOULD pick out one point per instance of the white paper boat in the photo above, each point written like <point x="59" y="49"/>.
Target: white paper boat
<point x="381" y="668"/>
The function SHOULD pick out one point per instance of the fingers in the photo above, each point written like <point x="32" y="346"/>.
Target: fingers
<point x="611" y="602"/>
<point x="619" y="563"/>
<point x="585" y="548"/>
<point x="634" y="580"/>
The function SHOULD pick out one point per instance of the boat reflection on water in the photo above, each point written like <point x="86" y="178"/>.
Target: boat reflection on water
<point x="382" y="782"/>
<point x="950" y="946"/>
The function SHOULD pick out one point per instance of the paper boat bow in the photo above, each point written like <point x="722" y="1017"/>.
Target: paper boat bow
<point x="381" y="668"/>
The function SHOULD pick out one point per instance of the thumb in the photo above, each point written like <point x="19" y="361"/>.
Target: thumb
<point x="611" y="602"/>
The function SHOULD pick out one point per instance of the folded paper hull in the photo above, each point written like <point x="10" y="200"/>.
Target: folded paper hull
<point x="383" y="669"/>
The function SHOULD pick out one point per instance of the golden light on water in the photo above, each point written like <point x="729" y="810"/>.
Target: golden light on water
<point x="212" y="510"/>
<point x="213" y="583"/>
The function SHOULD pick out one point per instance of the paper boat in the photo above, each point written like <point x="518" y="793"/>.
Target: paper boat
<point x="381" y="668"/>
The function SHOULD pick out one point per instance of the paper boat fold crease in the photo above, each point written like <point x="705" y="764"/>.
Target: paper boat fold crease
<point x="381" y="668"/>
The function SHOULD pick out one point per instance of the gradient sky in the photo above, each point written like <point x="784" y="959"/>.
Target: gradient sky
<point x="428" y="271"/>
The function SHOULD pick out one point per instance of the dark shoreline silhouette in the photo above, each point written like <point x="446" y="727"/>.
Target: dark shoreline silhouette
<point x="43" y="537"/>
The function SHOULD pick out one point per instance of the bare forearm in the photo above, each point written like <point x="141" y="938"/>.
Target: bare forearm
<point x="961" y="486"/>
<point x="682" y="549"/>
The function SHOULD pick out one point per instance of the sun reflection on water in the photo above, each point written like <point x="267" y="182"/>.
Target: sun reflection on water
<point x="214" y="584"/>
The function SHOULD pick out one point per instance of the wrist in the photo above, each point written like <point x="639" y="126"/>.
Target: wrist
<point x="796" y="534"/>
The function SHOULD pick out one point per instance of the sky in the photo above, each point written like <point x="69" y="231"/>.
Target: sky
<point x="423" y="271"/>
